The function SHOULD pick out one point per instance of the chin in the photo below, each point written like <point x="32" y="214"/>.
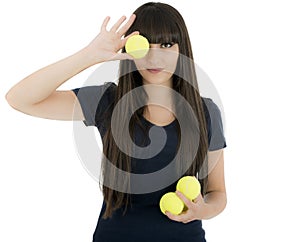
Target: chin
<point x="157" y="81"/>
<point x="163" y="80"/>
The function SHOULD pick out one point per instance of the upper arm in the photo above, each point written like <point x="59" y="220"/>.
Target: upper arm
<point x="217" y="143"/>
<point x="82" y="104"/>
<point x="216" y="180"/>
<point x="60" y="105"/>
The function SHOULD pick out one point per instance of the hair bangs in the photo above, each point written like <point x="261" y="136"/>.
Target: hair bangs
<point x="157" y="26"/>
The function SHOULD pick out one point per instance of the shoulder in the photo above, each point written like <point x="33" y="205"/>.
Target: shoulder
<point x="210" y="105"/>
<point x="215" y="124"/>
<point x="110" y="85"/>
<point x="211" y="109"/>
<point x="95" y="99"/>
<point x="106" y="88"/>
<point x="109" y="89"/>
<point x="93" y="95"/>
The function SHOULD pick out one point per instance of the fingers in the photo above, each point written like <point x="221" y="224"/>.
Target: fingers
<point x="125" y="39"/>
<point x="186" y="201"/>
<point x="197" y="199"/>
<point x="133" y="33"/>
<point x="184" y="217"/>
<point x="117" y="24"/>
<point x="105" y="22"/>
<point x="179" y="218"/>
<point x="123" y="30"/>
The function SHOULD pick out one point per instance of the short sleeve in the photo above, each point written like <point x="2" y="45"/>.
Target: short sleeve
<point x="93" y="100"/>
<point x="216" y="138"/>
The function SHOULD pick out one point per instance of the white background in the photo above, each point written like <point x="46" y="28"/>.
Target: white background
<point x="249" y="49"/>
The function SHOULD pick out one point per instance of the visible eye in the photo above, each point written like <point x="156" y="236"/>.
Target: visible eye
<point x="167" y="45"/>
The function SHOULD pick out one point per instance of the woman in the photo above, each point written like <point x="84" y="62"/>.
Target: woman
<point x="130" y="210"/>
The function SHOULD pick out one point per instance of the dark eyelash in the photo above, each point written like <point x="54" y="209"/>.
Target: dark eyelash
<point x="168" y="43"/>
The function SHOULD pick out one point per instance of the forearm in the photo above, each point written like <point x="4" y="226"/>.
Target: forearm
<point x="40" y="84"/>
<point x="215" y="203"/>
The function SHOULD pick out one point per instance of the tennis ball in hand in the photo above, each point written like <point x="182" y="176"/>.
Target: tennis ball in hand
<point x="137" y="46"/>
<point x="172" y="203"/>
<point x="189" y="186"/>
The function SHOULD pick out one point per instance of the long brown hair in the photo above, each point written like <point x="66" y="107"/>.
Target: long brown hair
<point x="159" y="23"/>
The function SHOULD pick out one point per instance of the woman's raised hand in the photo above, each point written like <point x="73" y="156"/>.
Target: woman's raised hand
<point x="107" y="44"/>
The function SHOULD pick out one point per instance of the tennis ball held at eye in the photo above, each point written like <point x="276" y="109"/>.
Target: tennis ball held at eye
<point x="189" y="186"/>
<point x="137" y="46"/>
<point x="172" y="203"/>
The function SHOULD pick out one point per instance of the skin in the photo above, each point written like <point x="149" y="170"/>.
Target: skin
<point x="214" y="201"/>
<point x="163" y="56"/>
<point x="37" y="95"/>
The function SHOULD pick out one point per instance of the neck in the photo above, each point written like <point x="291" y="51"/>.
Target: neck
<point x="159" y="97"/>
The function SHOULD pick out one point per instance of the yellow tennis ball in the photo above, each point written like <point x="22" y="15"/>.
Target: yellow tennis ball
<point x="172" y="203"/>
<point x="137" y="46"/>
<point x="189" y="186"/>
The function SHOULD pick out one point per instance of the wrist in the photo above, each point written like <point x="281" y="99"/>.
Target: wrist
<point x="206" y="211"/>
<point x="89" y="56"/>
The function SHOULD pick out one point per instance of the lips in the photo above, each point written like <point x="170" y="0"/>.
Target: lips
<point x="154" y="70"/>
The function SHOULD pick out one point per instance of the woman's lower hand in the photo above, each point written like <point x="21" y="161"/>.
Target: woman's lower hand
<point x="194" y="209"/>
<point x="107" y="44"/>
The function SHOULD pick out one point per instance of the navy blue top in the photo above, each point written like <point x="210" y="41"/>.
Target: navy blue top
<point x="144" y="221"/>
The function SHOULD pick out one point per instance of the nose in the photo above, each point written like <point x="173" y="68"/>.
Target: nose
<point x="154" y="47"/>
<point x="153" y="53"/>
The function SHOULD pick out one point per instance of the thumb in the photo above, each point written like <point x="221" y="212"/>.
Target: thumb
<point x="133" y="33"/>
<point x="128" y="36"/>
<point x="198" y="198"/>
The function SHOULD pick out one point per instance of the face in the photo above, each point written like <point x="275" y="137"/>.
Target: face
<point x="158" y="66"/>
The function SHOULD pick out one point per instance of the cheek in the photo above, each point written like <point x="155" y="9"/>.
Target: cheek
<point x="140" y="64"/>
<point x="143" y="73"/>
<point x="171" y="63"/>
<point x="168" y="60"/>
